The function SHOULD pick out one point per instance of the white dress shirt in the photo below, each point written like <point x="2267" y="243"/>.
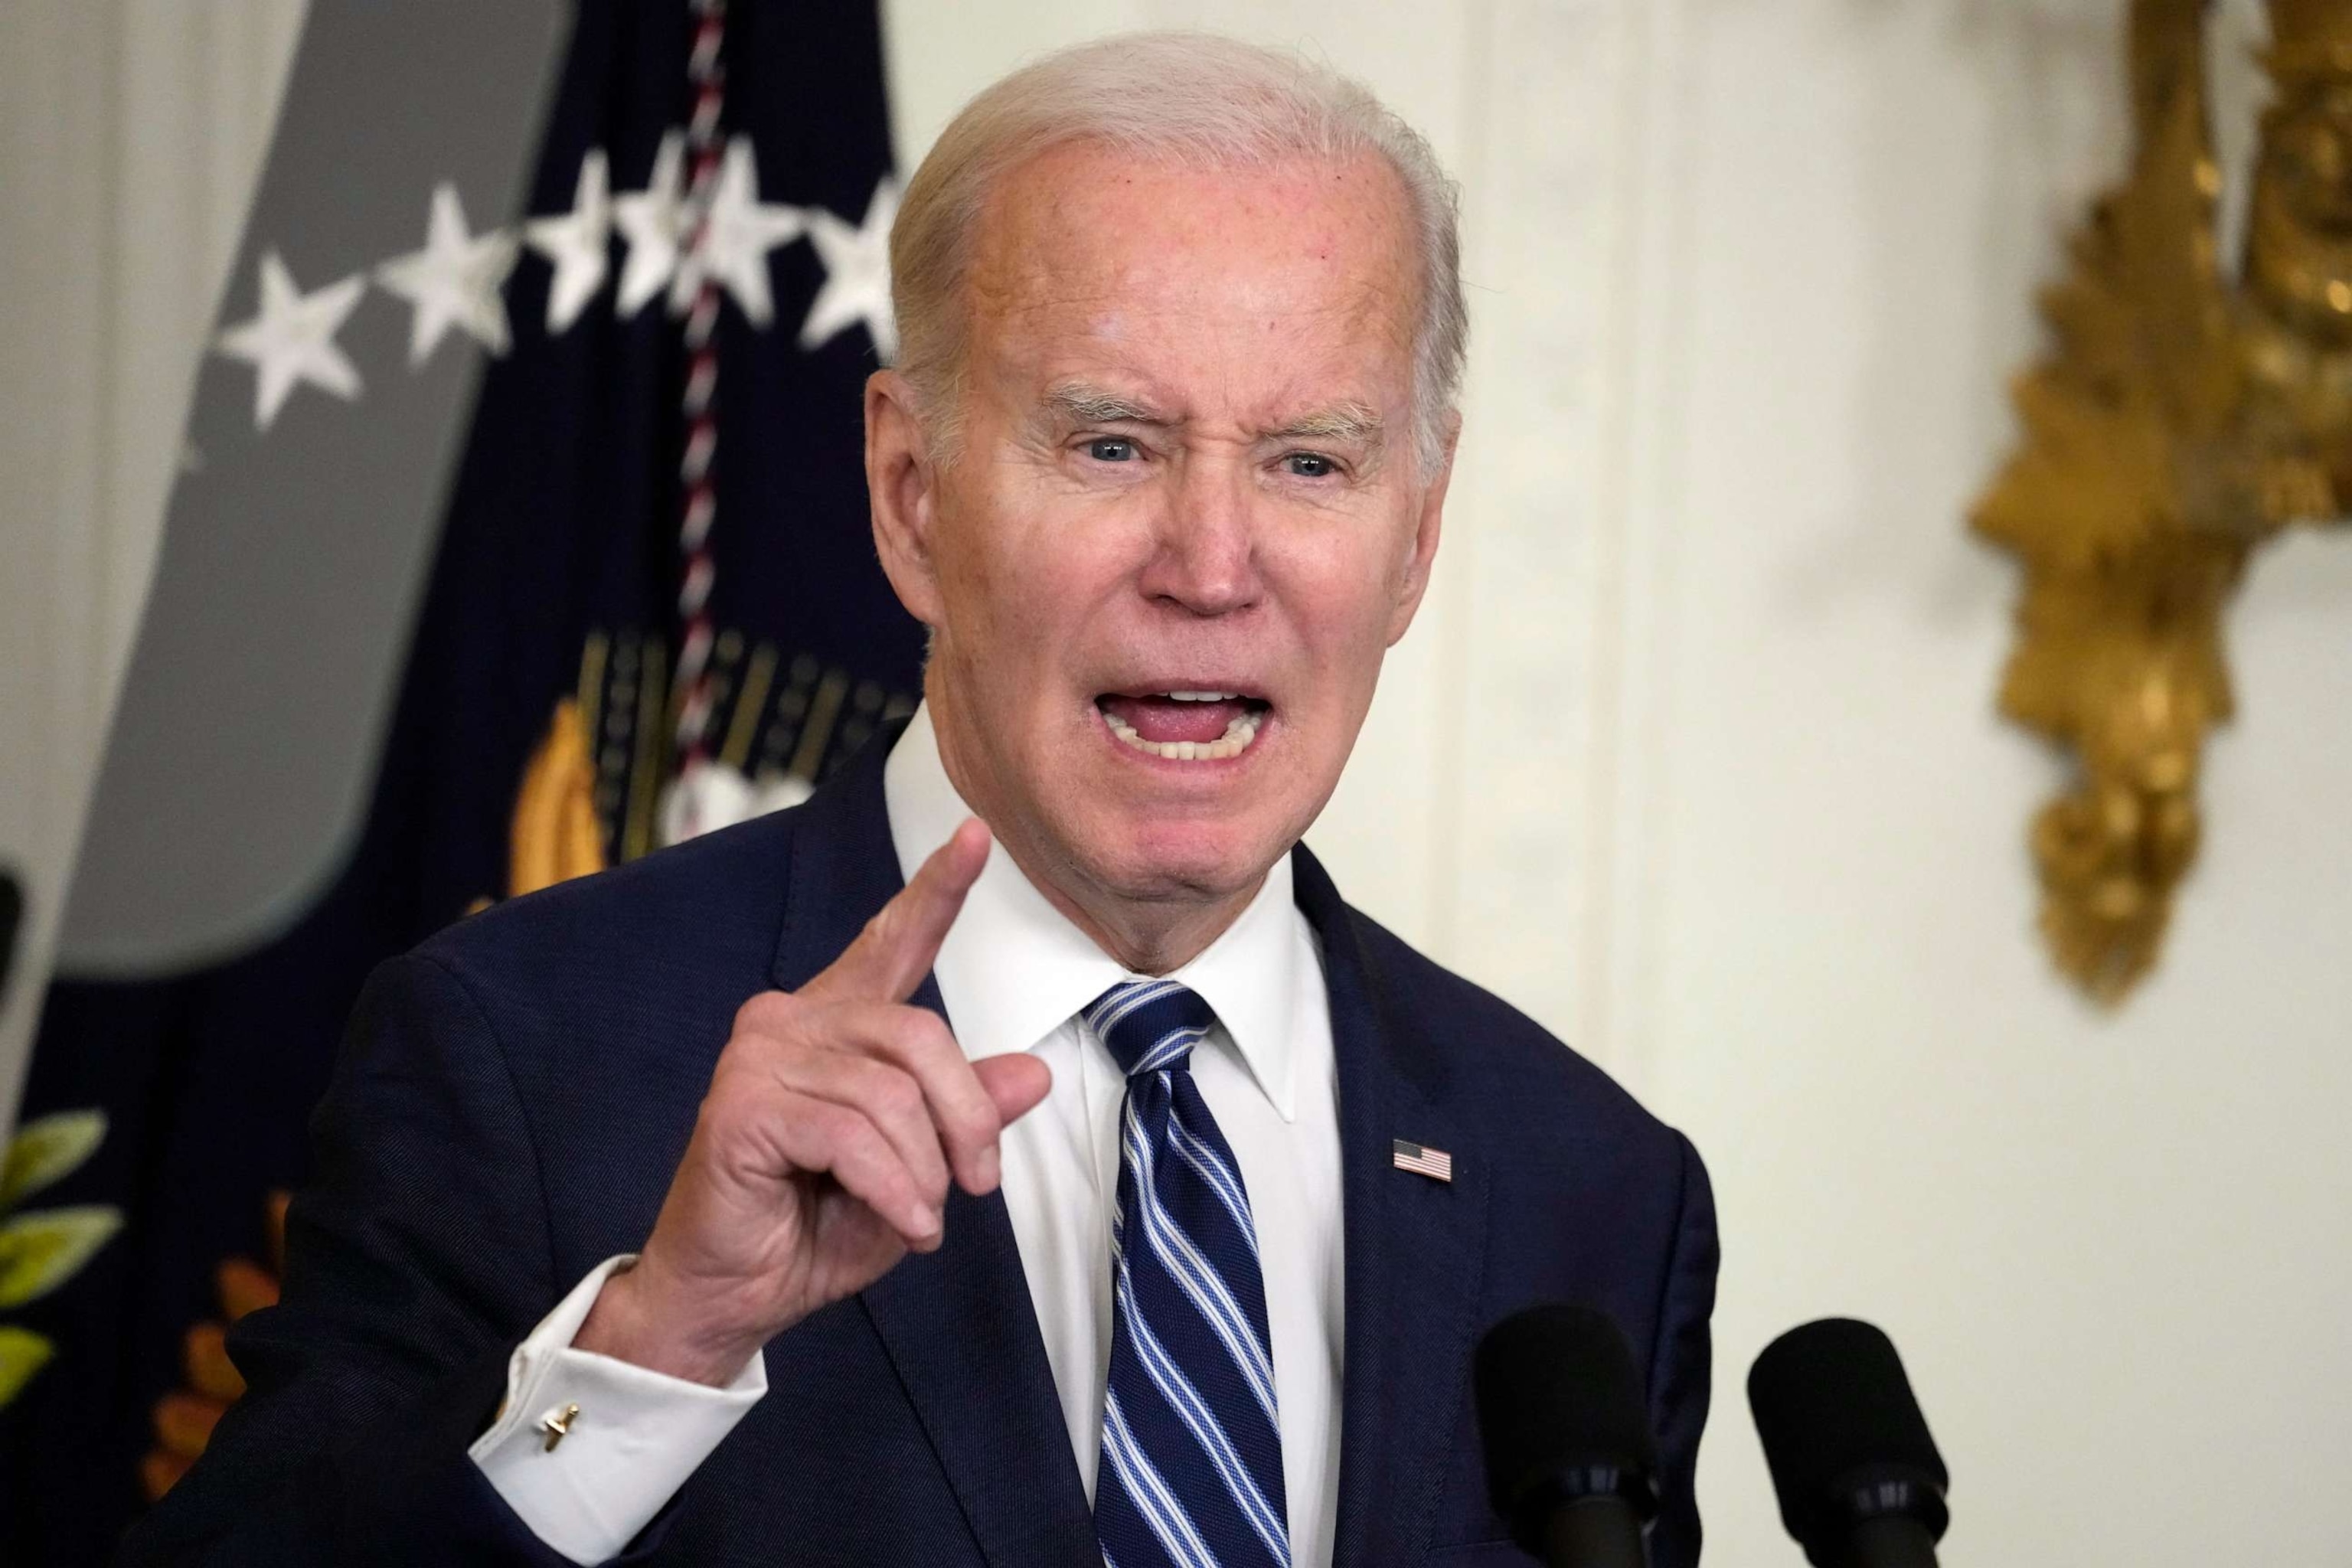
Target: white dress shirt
<point x="1013" y="974"/>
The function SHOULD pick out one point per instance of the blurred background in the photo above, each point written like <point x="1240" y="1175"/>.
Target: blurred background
<point x="1693" y="753"/>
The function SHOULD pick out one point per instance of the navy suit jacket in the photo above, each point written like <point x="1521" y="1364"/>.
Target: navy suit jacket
<point x="514" y="1096"/>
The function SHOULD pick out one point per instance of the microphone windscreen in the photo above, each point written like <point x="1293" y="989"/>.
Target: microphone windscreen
<point x="1836" y="1414"/>
<point x="1557" y="1393"/>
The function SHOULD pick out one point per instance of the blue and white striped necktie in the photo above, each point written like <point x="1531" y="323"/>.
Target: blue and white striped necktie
<point x="1191" y="1474"/>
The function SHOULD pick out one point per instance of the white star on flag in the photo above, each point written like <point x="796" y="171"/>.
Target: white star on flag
<point x="653" y="221"/>
<point x="575" y="243"/>
<point x="293" y="340"/>
<point x="735" y="241"/>
<point x="454" y="282"/>
<point x="857" y="274"/>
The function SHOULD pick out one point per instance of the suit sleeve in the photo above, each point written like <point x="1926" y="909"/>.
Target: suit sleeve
<point x="1683" y="1367"/>
<point x="415" y="1264"/>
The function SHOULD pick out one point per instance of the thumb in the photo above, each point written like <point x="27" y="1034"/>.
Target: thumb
<point x="1016" y="1082"/>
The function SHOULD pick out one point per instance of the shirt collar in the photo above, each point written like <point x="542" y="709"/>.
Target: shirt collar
<point x="1013" y="968"/>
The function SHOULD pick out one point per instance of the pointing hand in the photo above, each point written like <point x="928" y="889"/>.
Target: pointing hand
<point x="836" y="1118"/>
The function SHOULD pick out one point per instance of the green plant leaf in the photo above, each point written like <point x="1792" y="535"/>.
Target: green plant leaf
<point x="22" y="1354"/>
<point x="41" y="1250"/>
<point x="46" y="1150"/>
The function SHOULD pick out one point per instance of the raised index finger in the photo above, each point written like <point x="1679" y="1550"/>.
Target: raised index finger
<point x="895" y="951"/>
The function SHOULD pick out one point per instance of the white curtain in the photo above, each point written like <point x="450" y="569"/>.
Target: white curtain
<point x="130" y="135"/>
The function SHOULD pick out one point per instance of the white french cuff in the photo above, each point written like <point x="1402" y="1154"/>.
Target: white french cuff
<point x="635" y="1437"/>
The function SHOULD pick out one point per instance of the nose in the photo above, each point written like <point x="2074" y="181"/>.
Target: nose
<point x="1205" y="558"/>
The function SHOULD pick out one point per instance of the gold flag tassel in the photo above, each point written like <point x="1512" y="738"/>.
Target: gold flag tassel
<point x="555" y="836"/>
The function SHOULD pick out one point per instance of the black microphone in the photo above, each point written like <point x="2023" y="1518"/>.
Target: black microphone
<point x="1570" y="1462"/>
<point x="1861" y="1484"/>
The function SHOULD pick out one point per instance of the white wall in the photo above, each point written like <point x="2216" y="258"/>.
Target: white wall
<point x="2114" y="1251"/>
<point x="1692" y="754"/>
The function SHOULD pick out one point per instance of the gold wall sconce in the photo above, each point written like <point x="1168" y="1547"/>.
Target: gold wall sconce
<point x="2182" y="418"/>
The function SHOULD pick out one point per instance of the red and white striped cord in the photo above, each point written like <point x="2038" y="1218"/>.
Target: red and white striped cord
<point x="707" y="78"/>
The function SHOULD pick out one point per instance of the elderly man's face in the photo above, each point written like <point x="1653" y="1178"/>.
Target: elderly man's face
<point x="1188" y="515"/>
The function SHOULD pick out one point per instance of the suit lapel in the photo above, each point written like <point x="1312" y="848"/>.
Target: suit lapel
<point x="962" y="1333"/>
<point x="957" y="1324"/>
<point x="1414" y="1248"/>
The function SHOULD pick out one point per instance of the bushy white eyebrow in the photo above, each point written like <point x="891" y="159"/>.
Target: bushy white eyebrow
<point x="1083" y="404"/>
<point x="1351" y="422"/>
<point x="1080" y="403"/>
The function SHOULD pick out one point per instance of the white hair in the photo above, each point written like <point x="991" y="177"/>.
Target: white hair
<point x="1178" y="97"/>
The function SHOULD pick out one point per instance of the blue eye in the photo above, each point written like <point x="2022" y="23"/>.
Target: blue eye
<point x="1110" y="449"/>
<point x="1310" y="465"/>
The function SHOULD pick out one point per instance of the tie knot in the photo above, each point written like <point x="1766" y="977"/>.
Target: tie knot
<point x="1150" y="1024"/>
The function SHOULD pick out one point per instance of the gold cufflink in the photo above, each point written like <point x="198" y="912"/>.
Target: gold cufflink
<point x="557" y="1424"/>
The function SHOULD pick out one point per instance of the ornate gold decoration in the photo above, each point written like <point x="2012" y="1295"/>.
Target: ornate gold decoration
<point x="555" y="836"/>
<point x="2180" y="420"/>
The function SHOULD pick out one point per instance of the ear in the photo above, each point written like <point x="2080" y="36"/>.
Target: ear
<point x="1427" y="525"/>
<point x="902" y="490"/>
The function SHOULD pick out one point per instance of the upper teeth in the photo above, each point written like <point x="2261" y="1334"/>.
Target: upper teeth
<point x="1203" y="696"/>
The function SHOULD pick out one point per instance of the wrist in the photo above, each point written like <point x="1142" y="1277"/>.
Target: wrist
<point x="634" y="1319"/>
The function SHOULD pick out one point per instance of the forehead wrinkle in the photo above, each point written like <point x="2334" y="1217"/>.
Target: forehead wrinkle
<point x="1067" y="268"/>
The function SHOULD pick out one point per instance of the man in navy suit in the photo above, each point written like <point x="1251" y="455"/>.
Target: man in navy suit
<point x="848" y="1188"/>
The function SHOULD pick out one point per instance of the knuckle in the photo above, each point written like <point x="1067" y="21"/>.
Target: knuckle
<point x="840" y="1139"/>
<point x="978" y="1120"/>
<point x="850" y="1135"/>
<point x="929" y="1036"/>
<point x="765" y="1012"/>
<point x="896" y="1093"/>
<point x="917" y="1037"/>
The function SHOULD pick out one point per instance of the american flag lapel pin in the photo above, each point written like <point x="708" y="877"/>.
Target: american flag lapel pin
<point x="1434" y="1163"/>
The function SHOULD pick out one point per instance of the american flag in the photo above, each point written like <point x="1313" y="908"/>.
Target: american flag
<point x="465" y="316"/>
<point x="1435" y="1164"/>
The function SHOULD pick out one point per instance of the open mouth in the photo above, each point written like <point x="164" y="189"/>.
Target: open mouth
<point x="1184" y="726"/>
